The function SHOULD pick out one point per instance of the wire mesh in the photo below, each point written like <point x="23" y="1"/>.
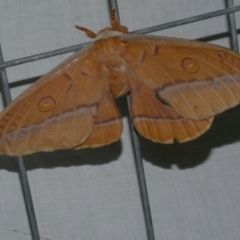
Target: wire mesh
<point x="136" y="145"/>
<point x="143" y="31"/>
<point x="22" y="169"/>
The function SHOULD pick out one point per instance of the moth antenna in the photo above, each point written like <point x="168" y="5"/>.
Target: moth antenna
<point x="115" y="22"/>
<point x="87" y="31"/>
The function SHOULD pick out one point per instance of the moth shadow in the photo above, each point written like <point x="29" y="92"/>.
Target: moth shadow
<point x="217" y="36"/>
<point x="224" y="130"/>
<point x="22" y="82"/>
<point x="65" y="158"/>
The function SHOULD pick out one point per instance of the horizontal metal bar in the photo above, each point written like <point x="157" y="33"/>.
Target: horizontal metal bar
<point x="42" y="55"/>
<point x="189" y="20"/>
<point x="145" y="30"/>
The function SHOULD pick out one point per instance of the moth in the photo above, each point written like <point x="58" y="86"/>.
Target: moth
<point x="176" y="86"/>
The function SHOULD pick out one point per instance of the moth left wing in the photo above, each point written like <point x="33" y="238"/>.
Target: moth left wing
<point x="107" y="125"/>
<point x="62" y="109"/>
<point x="198" y="80"/>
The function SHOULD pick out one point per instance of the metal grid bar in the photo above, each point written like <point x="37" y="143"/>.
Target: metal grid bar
<point x="22" y="169"/>
<point x="233" y="28"/>
<point x="139" y="163"/>
<point x="142" y="181"/>
<point x="7" y="97"/>
<point x="145" y="30"/>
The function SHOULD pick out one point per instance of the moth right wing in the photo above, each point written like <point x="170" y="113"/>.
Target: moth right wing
<point x="199" y="80"/>
<point x="159" y="122"/>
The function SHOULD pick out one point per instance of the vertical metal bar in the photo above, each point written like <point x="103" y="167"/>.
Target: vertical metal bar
<point x="22" y="169"/>
<point x="142" y="181"/>
<point x="139" y="165"/>
<point x="113" y="3"/>
<point x="28" y="199"/>
<point x="233" y="28"/>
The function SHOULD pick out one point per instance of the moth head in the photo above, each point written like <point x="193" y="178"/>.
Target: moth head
<point x="116" y="26"/>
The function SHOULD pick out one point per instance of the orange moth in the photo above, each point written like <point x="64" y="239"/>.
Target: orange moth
<point x="176" y="88"/>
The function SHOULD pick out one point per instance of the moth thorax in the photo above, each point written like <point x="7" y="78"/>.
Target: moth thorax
<point x="110" y="52"/>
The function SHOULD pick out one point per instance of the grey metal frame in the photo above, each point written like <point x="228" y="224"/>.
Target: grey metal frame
<point x="138" y="157"/>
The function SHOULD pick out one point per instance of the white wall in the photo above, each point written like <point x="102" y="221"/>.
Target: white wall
<point x="194" y="188"/>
